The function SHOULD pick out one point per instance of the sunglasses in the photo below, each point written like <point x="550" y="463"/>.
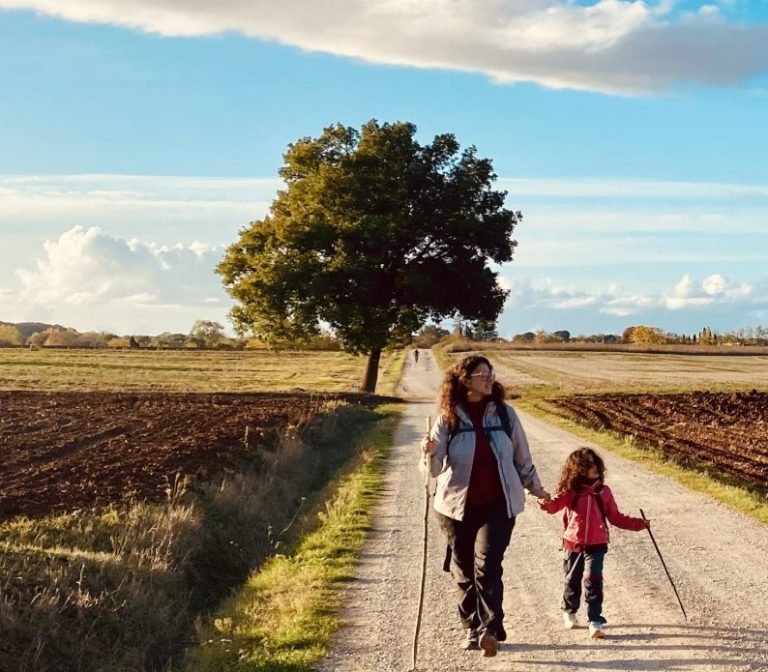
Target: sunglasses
<point x="485" y="375"/>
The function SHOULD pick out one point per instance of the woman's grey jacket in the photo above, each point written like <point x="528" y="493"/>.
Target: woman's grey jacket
<point x="452" y="465"/>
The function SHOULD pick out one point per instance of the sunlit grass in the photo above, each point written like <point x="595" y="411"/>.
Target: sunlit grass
<point x="119" y="589"/>
<point x="284" y="616"/>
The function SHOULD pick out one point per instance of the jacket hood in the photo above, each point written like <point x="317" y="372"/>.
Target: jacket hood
<point x="589" y="488"/>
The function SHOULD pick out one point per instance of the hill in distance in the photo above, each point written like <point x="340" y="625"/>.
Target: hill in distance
<point x="26" y="329"/>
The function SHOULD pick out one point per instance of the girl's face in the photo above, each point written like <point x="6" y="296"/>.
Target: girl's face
<point x="480" y="382"/>
<point x="591" y="470"/>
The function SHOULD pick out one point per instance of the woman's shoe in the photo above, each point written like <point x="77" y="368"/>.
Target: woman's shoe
<point x="569" y="620"/>
<point x="489" y="643"/>
<point x="596" y="630"/>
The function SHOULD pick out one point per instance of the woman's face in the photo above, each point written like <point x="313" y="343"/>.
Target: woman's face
<point x="480" y="382"/>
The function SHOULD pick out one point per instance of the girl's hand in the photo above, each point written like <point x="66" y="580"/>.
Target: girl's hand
<point x="647" y="522"/>
<point x="542" y="495"/>
<point x="428" y="446"/>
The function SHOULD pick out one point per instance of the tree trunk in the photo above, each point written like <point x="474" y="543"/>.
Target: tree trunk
<point x="372" y="371"/>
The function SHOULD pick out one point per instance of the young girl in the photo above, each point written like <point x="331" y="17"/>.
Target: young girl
<point x="588" y="504"/>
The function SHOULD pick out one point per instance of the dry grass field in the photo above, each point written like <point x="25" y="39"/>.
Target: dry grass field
<point x="548" y="372"/>
<point x="188" y="370"/>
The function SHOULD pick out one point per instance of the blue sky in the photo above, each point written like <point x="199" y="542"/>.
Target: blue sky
<point x="138" y="137"/>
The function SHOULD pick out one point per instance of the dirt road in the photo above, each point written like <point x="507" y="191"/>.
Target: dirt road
<point x="717" y="558"/>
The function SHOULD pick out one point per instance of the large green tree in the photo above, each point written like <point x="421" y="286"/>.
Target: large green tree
<point x="374" y="234"/>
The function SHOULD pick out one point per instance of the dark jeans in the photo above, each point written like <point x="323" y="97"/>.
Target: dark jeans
<point x="477" y="546"/>
<point x="586" y="565"/>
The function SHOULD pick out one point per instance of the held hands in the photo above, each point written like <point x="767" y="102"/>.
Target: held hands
<point x="541" y="495"/>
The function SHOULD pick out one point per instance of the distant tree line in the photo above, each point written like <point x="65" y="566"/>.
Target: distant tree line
<point x="705" y="336"/>
<point x="207" y="334"/>
<point x="204" y="334"/>
<point x="646" y="335"/>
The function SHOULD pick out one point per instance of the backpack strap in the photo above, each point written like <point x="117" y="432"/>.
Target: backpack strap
<point x="454" y="432"/>
<point x="601" y="504"/>
<point x="503" y="412"/>
<point x="598" y="501"/>
<point x="505" y="426"/>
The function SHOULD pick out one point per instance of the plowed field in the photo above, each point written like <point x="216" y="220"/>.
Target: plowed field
<point x="728" y="431"/>
<point x="62" y="451"/>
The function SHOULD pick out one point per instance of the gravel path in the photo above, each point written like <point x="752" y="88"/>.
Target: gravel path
<point x="717" y="558"/>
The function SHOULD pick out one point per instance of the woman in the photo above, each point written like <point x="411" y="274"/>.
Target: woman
<point x="479" y="455"/>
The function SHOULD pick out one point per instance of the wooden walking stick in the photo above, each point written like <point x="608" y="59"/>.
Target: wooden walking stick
<point x="664" y="565"/>
<point x="423" y="555"/>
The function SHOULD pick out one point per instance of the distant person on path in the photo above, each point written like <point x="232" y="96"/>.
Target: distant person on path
<point x="416" y="355"/>
<point x="479" y="455"/>
<point x="589" y="507"/>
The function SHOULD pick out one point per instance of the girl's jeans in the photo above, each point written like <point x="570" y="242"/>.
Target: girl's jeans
<point x="477" y="546"/>
<point x="589" y="566"/>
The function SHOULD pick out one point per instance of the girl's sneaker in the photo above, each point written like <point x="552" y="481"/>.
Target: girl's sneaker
<point x="569" y="620"/>
<point x="596" y="630"/>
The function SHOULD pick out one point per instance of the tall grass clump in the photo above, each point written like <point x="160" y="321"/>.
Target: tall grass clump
<point x="120" y="589"/>
<point x="282" y="619"/>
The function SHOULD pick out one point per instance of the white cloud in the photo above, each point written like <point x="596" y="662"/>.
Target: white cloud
<point x="592" y="187"/>
<point x="145" y="204"/>
<point x="709" y="10"/>
<point x="119" y="262"/>
<point x="610" y="45"/>
<point x="91" y="280"/>
<point x="624" y="306"/>
<point x="714" y="289"/>
<point x="687" y="294"/>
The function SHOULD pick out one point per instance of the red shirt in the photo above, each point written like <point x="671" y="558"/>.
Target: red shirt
<point x="484" y="482"/>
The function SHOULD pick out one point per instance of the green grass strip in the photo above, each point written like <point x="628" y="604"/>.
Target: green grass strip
<point x="283" y="618"/>
<point x="701" y="478"/>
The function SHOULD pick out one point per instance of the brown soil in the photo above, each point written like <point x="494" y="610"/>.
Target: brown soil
<point x="723" y="430"/>
<point x="63" y="451"/>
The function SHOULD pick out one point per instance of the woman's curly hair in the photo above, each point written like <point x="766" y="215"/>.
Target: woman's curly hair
<point x="453" y="391"/>
<point x="575" y="471"/>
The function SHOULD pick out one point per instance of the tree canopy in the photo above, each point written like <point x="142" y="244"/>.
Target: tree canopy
<point x="206" y="333"/>
<point x="373" y="235"/>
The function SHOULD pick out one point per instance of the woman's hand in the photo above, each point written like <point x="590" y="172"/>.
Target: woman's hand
<point x="428" y="446"/>
<point x="542" y="495"/>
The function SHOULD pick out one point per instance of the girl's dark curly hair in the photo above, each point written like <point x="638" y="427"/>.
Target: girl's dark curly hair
<point x="453" y="391"/>
<point x="575" y="471"/>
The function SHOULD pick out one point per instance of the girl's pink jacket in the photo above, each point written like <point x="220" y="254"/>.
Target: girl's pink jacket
<point x="584" y="525"/>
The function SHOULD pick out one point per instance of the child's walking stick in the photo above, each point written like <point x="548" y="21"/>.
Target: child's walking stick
<point x="423" y="555"/>
<point x="664" y="565"/>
